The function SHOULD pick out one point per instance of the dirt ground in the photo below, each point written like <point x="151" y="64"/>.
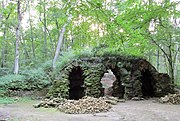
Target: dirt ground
<point x="145" y="110"/>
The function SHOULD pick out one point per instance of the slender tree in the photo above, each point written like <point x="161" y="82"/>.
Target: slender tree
<point x="167" y="43"/>
<point x="4" y="43"/>
<point x="31" y="32"/>
<point x="61" y="36"/>
<point x="16" y="61"/>
<point x="45" y="26"/>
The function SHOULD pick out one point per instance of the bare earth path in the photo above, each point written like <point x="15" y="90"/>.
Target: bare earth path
<point x="128" y="111"/>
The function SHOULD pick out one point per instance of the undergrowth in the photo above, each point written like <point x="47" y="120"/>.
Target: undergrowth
<point x="26" y="80"/>
<point x="10" y="100"/>
<point x="30" y="79"/>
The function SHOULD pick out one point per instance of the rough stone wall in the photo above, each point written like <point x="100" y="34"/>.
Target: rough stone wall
<point x="128" y="71"/>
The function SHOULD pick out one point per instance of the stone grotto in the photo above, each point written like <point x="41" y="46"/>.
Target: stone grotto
<point x="135" y="77"/>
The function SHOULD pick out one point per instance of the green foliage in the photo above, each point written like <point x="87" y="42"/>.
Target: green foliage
<point x="4" y="71"/>
<point x="177" y="84"/>
<point x="104" y="50"/>
<point x="27" y="80"/>
<point x="7" y="100"/>
<point x="3" y="92"/>
<point x="65" y="58"/>
<point x="11" y="82"/>
<point x="11" y="78"/>
<point x="99" y="51"/>
<point x="96" y="29"/>
<point x="84" y="53"/>
<point x="35" y="79"/>
<point x="46" y="66"/>
<point x="10" y="100"/>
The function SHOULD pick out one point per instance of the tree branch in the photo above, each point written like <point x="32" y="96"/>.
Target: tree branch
<point x="160" y="48"/>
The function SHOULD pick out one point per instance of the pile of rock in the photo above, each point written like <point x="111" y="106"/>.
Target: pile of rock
<point x="112" y="100"/>
<point x="51" y="102"/>
<point x="84" y="105"/>
<point x="81" y="106"/>
<point x="171" y="99"/>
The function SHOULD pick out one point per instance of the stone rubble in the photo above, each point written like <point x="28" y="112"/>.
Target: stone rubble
<point x="82" y="106"/>
<point x="171" y="99"/>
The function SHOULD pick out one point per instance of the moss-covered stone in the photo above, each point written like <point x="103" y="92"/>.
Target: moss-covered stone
<point x="135" y="78"/>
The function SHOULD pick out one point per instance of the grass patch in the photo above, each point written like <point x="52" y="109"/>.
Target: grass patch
<point x="11" y="100"/>
<point x="7" y="100"/>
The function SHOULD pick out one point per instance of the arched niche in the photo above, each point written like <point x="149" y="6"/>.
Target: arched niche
<point x="147" y="84"/>
<point x="76" y="79"/>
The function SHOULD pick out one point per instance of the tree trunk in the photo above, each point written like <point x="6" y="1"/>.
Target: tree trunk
<point x="51" y="42"/>
<point x="32" y="38"/>
<point x="4" y="43"/>
<point x="26" y="54"/>
<point x="61" y="36"/>
<point x="3" y="49"/>
<point x="176" y="62"/>
<point x="16" y="61"/>
<point x="158" y="59"/>
<point x="171" y="64"/>
<point x="171" y="70"/>
<point x="169" y="57"/>
<point x="45" y="32"/>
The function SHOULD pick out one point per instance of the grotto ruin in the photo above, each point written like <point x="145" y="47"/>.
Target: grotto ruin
<point x="135" y="77"/>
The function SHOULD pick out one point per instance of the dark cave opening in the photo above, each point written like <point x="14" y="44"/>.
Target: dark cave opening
<point x="147" y="84"/>
<point x="76" y="79"/>
<point x="118" y="88"/>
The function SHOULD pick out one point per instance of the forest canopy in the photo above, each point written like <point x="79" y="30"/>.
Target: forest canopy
<point x="36" y="32"/>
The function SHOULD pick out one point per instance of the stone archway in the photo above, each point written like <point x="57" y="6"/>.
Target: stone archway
<point x="147" y="84"/>
<point x="118" y="88"/>
<point x="136" y="78"/>
<point x="76" y="89"/>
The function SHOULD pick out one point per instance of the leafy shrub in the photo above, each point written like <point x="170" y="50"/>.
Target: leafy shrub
<point x="8" y="81"/>
<point x="47" y="66"/>
<point x="104" y="51"/>
<point x="35" y="79"/>
<point x="10" y="78"/>
<point x="99" y="51"/>
<point x="108" y="52"/>
<point x="3" y="92"/>
<point x="26" y="80"/>
<point x="7" y="100"/>
<point x="10" y="100"/>
<point x="84" y="53"/>
<point x="65" y="58"/>
<point x="4" y="71"/>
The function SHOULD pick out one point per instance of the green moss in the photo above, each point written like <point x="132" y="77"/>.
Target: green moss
<point x="94" y="66"/>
